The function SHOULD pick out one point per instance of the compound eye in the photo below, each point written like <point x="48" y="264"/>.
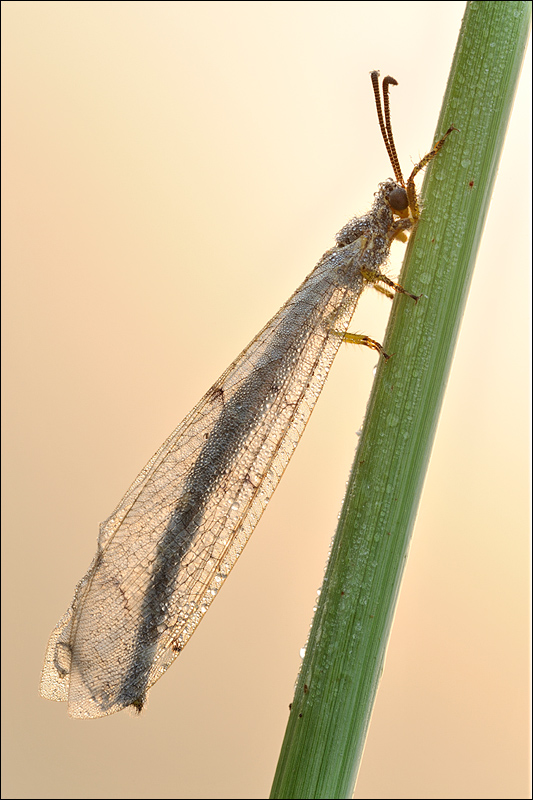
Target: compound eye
<point x="398" y="199"/>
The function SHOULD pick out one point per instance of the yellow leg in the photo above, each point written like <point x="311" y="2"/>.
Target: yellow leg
<point x="360" y="338"/>
<point x="375" y="280"/>
<point x="410" y="185"/>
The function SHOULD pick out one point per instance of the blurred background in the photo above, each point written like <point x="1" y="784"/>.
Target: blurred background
<point x="172" y="171"/>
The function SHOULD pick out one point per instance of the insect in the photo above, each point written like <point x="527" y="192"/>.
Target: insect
<point x="167" y="548"/>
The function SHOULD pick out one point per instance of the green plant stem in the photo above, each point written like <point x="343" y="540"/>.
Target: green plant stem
<point x="337" y="685"/>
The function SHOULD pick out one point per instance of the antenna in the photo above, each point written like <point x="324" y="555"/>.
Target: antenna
<point x="385" y="124"/>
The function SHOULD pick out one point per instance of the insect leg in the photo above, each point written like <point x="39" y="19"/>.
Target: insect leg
<point x="410" y="187"/>
<point x="360" y="338"/>
<point x="376" y="279"/>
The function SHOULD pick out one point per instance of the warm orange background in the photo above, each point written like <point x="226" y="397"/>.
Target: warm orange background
<point x="172" y="171"/>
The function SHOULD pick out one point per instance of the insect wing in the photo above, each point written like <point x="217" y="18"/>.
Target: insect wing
<point x="169" y="545"/>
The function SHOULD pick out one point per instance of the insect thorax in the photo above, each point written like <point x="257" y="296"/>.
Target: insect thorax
<point x="377" y="227"/>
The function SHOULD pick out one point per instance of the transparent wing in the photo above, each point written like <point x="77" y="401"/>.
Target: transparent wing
<point x="169" y="545"/>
